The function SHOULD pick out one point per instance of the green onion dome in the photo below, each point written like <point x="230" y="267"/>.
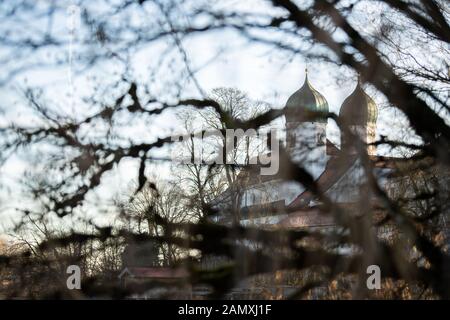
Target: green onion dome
<point x="303" y="100"/>
<point x="358" y="108"/>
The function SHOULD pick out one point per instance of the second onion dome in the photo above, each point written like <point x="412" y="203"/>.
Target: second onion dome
<point x="358" y="109"/>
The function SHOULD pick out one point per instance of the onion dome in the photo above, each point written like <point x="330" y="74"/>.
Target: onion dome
<point x="358" y="108"/>
<point x="303" y="100"/>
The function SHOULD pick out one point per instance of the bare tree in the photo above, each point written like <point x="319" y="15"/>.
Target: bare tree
<point x="81" y="148"/>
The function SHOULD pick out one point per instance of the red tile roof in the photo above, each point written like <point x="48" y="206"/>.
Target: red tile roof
<point x="306" y="218"/>
<point x="157" y="272"/>
<point x="336" y="167"/>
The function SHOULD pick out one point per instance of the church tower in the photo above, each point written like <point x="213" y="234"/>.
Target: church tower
<point x="305" y="132"/>
<point x="359" y="112"/>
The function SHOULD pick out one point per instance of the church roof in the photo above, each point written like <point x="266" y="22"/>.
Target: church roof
<point x="335" y="168"/>
<point x="358" y="108"/>
<point x="154" y="272"/>
<point x="303" y="100"/>
<point x="307" y="217"/>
